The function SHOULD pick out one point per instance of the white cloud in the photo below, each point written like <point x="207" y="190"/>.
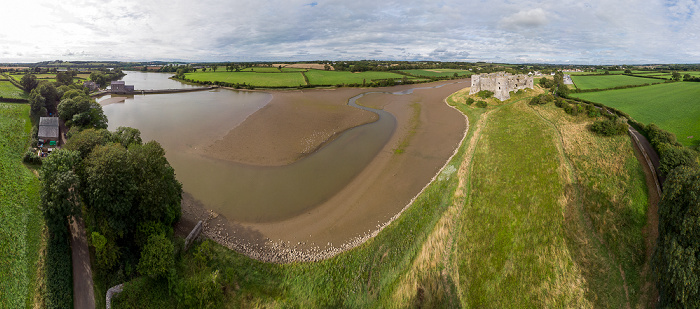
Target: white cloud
<point x="526" y="19"/>
<point x="592" y="31"/>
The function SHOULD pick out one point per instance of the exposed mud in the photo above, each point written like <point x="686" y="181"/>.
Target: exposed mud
<point x="371" y="200"/>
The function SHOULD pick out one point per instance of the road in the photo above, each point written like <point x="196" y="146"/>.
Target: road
<point x="83" y="292"/>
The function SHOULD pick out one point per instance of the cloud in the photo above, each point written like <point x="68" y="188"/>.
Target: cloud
<point x="526" y="19"/>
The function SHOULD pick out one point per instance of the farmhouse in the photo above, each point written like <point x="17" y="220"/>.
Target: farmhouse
<point x="501" y="84"/>
<point x="91" y="85"/>
<point x="120" y="87"/>
<point x="48" y="133"/>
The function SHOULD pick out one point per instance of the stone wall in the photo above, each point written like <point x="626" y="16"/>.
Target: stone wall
<point x="501" y="83"/>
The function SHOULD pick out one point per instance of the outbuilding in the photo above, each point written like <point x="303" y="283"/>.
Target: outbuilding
<point x="49" y="133"/>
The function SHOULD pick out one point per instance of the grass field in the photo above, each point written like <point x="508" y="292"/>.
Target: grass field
<point x="436" y="72"/>
<point x="332" y="78"/>
<point x="20" y="219"/>
<point x="272" y="70"/>
<point x="674" y="107"/>
<point x="609" y="81"/>
<point x="290" y="79"/>
<point x="8" y="90"/>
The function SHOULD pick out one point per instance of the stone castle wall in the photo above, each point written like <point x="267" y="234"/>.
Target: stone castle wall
<point x="501" y="83"/>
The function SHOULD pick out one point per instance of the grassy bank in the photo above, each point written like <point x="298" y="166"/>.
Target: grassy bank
<point x="20" y="219"/>
<point x="673" y="107"/>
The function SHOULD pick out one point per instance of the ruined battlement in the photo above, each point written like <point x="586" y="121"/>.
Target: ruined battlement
<point x="500" y="83"/>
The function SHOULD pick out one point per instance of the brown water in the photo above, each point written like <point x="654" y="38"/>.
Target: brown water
<point x="184" y="122"/>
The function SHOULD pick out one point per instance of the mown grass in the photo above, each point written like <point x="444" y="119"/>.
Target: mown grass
<point x="609" y="81"/>
<point x="332" y="78"/>
<point x="20" y="219"/>
<point x="673" y="107"/>
<point x="288" y="79"/>
<point x="8" y="90"/>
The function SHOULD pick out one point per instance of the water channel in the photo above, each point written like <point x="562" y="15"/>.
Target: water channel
<point x="186" y="122"/>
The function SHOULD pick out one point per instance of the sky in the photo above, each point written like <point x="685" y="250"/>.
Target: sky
<point x="506" y="31"/>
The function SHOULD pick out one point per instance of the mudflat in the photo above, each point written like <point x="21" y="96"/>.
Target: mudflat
<point x="293" y="125"/>
<point x="427" y="134"/>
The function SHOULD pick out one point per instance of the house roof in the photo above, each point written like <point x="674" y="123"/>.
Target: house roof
<point x="48" y="121"/>
<point x="48" y="132"/>
<point x="117" y="82"/>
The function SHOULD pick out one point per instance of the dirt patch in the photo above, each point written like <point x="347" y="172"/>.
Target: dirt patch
<point x="303" y="66"/>
<point x="293" y="125"/>
<point x="370" y="201"/>
<point x="113" y="100"/>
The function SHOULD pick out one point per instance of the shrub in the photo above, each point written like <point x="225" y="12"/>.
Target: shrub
<point x="484" y="94"/>
<point x="157" y="257"/>
<point x="30" y="157"/>
<point x="469" y="101"/>
<point x="674" y="157"/>
<point x="609" y="127"/>
<point x="106" y="252"/>
<point x="481" y="104"/>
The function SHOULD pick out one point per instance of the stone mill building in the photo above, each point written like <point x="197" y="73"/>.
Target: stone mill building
<point x="501" y="83"/>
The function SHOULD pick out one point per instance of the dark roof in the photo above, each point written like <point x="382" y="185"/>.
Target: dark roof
<point x="48" y="132"/>
<point x="48" y="121"/>
<point x="118" y="82"/>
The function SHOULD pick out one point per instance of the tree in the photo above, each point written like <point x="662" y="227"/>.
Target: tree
<point x="64" y="78"/>
<point x="28" y="82"/>
<point x="157" y="256"/>
<point x="687" y="77"/>
<point x="158" y="194"/>
<point x="85" y="141"/>
<point x="677" y="257"/>
<point x="676" y="76"/>
<point x="127" y="136"/>
<point x="98" y="78"/>
<point x="60" y="187"/>
<point x="673" y="157"/>
<point x="214" y="67"/>
<point x="628" y="71"/>
<point x="37" y="104"/>
<point x="110" y="189"/>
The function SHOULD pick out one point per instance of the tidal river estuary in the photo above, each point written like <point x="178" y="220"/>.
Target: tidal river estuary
<point x="295" y="175"/>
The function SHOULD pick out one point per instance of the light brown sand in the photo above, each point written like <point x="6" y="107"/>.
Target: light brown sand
<point x="293" y="125"/>
<point x="377" y="194"/>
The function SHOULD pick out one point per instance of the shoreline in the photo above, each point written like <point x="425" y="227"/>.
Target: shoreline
<point x="347" y="214"/>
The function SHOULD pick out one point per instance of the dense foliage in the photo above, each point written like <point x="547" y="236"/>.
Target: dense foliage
<point x="677" y="256"/>
<point x="609" y="127"/>
<point x="78" y="109"/>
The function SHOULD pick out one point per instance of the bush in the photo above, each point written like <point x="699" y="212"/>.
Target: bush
<point x="157" y="257"/>
<point x="469" y="101"/>
<point x="106" y="252"/>
<point x="481" y="104"/>
<point x="609" y="127"/>
<point x="674" y="157"/>
<point x="484" y="94"/>
<point x="30" y="157"/>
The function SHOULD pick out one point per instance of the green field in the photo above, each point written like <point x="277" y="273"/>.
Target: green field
<point x="20" y="218"/>
<point x="436" y="72"/>
<point x="674" y="107"/>
<point x="272" y="70"/>
<point x="332" y="78"/>
<point x="609" y="81"/>
<point x="8" y="90"/>
<point x="271" y="80"/>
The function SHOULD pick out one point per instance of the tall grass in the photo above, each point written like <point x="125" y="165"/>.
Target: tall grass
<point x="20" y="219"/>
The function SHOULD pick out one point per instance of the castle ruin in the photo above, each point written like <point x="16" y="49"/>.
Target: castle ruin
<point x="500" y="83"/>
